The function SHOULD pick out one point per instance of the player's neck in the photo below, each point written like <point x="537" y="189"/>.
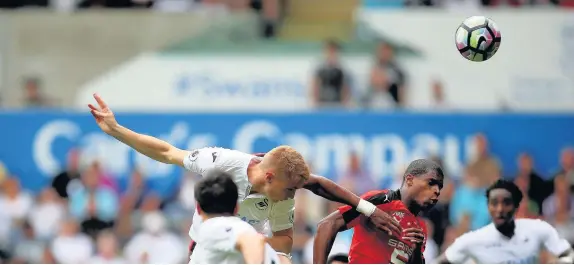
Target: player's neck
<point x="507" y="229"/>
<point x="413" y="207"/>
<point x="256" y="176"/>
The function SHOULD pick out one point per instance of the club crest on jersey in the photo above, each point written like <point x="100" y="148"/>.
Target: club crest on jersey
<point x="262" y="205"/>
<point x="194" y="155"/>
<point x="398" y="216"/>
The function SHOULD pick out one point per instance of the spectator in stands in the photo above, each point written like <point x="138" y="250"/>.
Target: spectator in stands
<point x="302" y="231"/>
<point x="387" y="81"/>
<point x="27" y="248"/>
<point x="527" y="208"/>
<point x="484" y="166"/>
<point x="567" y="165"/>
<point x="47" y="214"/>
<point x="155" y="244"/>
<point x="468" y="207"/>
<point x="33" y="93"/>
<point x="330" y="85"/>
<point x="14" y="202"/>
<point x="356" y="178"/>
<point x="107" y="250"/>
<point x="61" y="182"/>
<point x="438" y="99"/>
<point x="563" y="220"/>
<point x="95" y="206"/>
<point x="562" y="194"/>
<point x="537" y="188"/>
<point x="71" y="246"/>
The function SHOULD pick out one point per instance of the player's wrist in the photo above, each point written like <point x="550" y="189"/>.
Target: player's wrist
<point x="366" y="208"/>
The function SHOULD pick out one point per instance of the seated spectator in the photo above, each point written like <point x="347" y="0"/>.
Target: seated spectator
<point x="27" y="248"/>
<point x="535" y="186"/>
<point x="527" y="208"/>
<point x="71" y="246"/>
<point x="47" y="214"/>
<point x="469" y="204"/>
<point x="61" y="181"/>
<point x="94" y="206"/>
<point x="561" y="193"/>
<point x="485" y="167"/>
<point x="15" y="203"/>
<point x="155" y="244"/>
<point x="357" y="179"/>
<point x="107" y="250"/>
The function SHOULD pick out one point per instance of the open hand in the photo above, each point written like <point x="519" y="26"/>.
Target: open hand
<point x="385" y="222"/>
<point x="415" y="235"/>
<point x="103" y="115"/>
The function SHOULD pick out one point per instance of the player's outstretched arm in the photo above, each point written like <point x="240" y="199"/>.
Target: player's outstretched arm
<point x="327" y="230"/>
<point x="252" y="246"/>
<point x="151" y="147"/>
<point x="330" y="190"/>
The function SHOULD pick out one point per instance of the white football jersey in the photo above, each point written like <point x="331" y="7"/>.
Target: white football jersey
<point x="488" y="246"/>
<point x="217" y="239"/>
<point x="255" y="209"/>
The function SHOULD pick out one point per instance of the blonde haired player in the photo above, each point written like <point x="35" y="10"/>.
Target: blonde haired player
<point x="266" y="186"/>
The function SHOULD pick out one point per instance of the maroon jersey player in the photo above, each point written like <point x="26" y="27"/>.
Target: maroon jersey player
<point x="421" y="187"/>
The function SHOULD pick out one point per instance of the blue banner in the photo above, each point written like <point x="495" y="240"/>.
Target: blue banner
<point x="34" y="145"/>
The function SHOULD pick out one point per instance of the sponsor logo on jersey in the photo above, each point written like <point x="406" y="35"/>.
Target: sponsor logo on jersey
<point x="194" y="155"/>
<point x="262" y="205"/>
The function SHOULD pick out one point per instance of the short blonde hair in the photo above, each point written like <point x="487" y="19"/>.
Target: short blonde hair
<point x="286" y="160"/>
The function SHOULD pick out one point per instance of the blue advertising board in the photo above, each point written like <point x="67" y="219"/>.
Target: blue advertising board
<point x="34" y="144"/>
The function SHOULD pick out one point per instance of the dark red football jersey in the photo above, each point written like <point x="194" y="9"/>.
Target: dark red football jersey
<point x="370" y="245"/>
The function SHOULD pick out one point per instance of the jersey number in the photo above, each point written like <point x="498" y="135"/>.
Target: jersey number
<point x="398" y="256"/>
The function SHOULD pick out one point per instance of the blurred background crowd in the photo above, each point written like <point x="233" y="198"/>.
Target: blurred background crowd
<point x="85" y="212"/>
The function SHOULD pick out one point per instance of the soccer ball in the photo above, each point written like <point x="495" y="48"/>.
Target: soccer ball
<point x="477" y="38"/>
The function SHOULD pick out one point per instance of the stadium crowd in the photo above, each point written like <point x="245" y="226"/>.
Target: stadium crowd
<point x="86" y="215"/>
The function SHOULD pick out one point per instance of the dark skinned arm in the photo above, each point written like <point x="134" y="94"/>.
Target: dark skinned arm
<point x="330" y="190"/>
<point x="327" y="230"/>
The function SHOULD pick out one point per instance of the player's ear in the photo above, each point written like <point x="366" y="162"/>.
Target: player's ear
<point x="269" y="177"/>
<point x="409" y="180"/>
<point x="199" y="210"/>
<point x="236" y="209"/>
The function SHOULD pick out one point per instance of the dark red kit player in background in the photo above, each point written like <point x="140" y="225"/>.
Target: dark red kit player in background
<point x="421" y="187"/>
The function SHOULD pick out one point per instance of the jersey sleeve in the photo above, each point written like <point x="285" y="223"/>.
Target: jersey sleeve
<point x="202" y="160"/>
<point x="282" y="215"/>
<point x="352" y="216"/>
<point x="458" y="251"/>
<point x="551" y="240"/>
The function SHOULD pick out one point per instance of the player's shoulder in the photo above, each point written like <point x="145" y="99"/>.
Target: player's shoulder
<point x="533" y="225"/>
<point x="484" y="232"/>
<point x="381" y="196"/>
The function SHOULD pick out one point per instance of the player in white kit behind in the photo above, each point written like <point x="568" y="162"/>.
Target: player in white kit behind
<point x="266" y="185"/>
<point x="224" y="238"/>
<point x="506" y="240"/>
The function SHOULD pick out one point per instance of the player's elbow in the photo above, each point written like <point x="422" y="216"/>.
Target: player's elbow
<point x="173" y="155"/>
<point x="330" y="224"/>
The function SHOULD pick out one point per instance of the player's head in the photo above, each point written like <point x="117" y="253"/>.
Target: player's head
<point x="285" y="171"/>
<point x="503" y="199"/>
<point x="216" y="195"/>
<point x="423" y="180"/>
